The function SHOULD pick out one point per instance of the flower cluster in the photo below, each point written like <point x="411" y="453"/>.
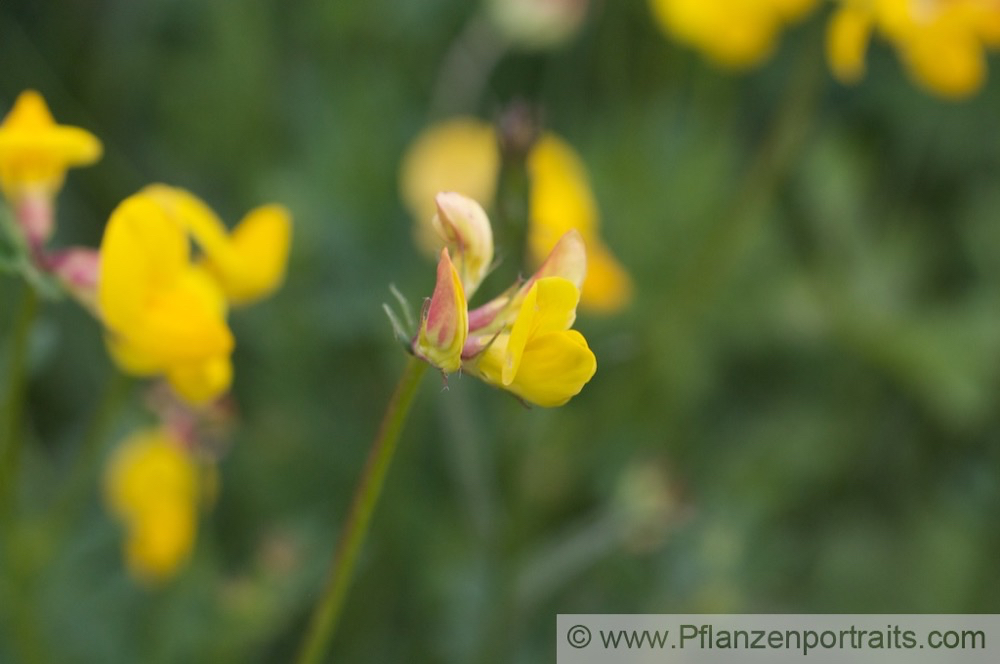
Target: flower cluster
<point x="163" y="308"/>
<point x="520" y="341"/>
<point x="942" y="43"/>
<point x="462" y="155"/>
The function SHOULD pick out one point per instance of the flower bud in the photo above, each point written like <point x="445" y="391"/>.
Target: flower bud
<point x="78" y="268"/>
<point x="538" y="24"/>
<point x="463" y="225"/>
<point x="444" y="324"/>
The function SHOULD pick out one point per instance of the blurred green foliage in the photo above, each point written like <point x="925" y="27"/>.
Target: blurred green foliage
<point x="809" y="370"/>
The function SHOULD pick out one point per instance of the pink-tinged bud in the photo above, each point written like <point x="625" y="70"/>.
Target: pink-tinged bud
<point x="444" y="324"/>
<point x="35" y="215"/>
<point x="78" y="268"/>
<point x="568" y="259"/>
<point x="463" y="225"/>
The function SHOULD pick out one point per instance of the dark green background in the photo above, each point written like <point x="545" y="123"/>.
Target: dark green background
<point x="810" y="363"/>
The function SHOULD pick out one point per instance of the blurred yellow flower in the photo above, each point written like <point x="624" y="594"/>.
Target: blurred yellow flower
<point x="151" y="485"/>
<point x="942" y="43"/>
<point x="35" y="152"/>
<point x="562" y="200"/>
<point x="461" y="155"/>
<point x="733" y="33"/>
<point x="540" y="359"/>
<point x="165" y="311"/>
<point x="164" y="314"/>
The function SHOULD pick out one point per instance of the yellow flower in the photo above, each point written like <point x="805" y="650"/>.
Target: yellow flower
<point x="151" y="485"/>
<point x="248" y="263"/>
<point x="164" y="315"/>
<point x="941" y="43"/>
<point x="733" y="33"/>
<point x="444" y="324"/>
<point x="461" y="155"/>
<point x="35" y="152"/>
<point x="540" y="360"/>
<point x="521" y="340"/>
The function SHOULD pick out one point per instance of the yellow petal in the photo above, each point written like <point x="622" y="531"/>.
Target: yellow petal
<point x="254" y="265"/>
<point x="561" y="197"/>
<point x="156" y="305"/>
<point x="35" y="151"/>
<point x="250" y="262"/>
<point x="950" y="63"/>
<point x="847" y="38"/>
<point x="133" y="361"/>
<point x="160" y="541"/>
<point x="608" y="286"/>
<point x="143" y="250"/>
<point x="192" y="213"/>
<point x="554" y="367"/>
<point x="201" y="382"/>
<point x="549" y="305"/>
<point x="791" y="10"/>
<point x="149" y="465"/>
<point x="461" y="155"/>
<point x="733" y="33"/>
<point x="182" y="323"/>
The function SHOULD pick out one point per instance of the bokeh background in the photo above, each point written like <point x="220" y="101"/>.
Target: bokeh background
<point x="798" y="412"/>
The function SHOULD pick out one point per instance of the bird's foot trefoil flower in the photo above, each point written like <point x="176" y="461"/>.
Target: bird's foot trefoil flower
<point x="520" y="341"/>
<point x="165" y="309"/>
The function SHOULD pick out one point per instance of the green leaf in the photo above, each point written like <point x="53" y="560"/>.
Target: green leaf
<point x="11" y="248"/>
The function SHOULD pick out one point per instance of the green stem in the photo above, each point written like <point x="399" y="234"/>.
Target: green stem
<point x="366" y="495"/>
<point x="11" y="438"/>
<point x="742" y="217"/>
<point x="85" y="466"/>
